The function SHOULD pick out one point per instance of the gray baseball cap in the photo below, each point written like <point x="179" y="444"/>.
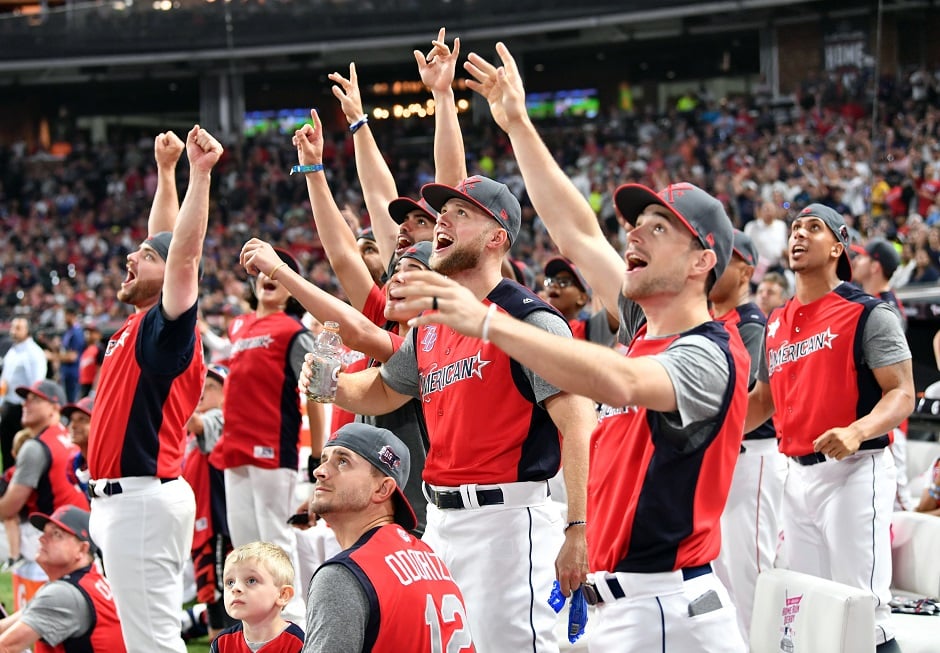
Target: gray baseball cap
<point x="744" y="247"/>
<point x="837" y="226"/>
<point x="879" y="249"/>
<point x="70" y="519"/>
<point x="491" y="196"/>
<point x="420" y="252"/>
<point x="160" y="243"/>
<point x="701" y="214"/>
<point x="385" y="452"/>
<point x="46" y="389"/>
<point x="400" y="207"/>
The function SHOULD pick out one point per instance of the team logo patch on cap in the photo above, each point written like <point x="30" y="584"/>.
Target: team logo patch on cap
<point x="389" y="458"/>
<point x="468" y="184"/>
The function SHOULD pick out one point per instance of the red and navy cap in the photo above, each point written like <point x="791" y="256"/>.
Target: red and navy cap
<point x="385" y="452"/>
<point x="487" y="194"/>
<point x="83" y="405"/>
<point x="45" y="389"/>
<point x="701" y="214"/>
<point x="400" y="207"/>
<point x="837" y="226"/>
<point x="70" y="519"/>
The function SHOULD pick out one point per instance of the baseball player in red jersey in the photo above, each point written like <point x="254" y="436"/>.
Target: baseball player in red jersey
<point x="75" y="610"/>
<point x="261" y="432"/>
<point x="750" y="523"/>
<point x="387" y="590"/>
<point x="663" y="454"/>
<point x="841" y="481"/>
<point x="872" y="268"/>
<point x="489" y="514"/>
<point x="142" y="513"/>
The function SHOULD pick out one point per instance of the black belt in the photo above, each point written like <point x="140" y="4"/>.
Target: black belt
<point x="111" y="488"/>
<point x="593" y="597"/>
<point x="453" y="499"/>
<point x="810" y="459"/>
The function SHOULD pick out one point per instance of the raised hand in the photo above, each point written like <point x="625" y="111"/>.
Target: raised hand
<point x="347" y="92"/>
<point x="257" y="256"/>
<point x="502" y="87"/>
<point x="438" y="67"/>
<point x="167" y="148"/>
<point x="309" y="141"/>
<point x="202" y="149"/>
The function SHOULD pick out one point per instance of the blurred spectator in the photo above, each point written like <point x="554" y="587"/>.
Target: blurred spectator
<point x="23" y="365"/>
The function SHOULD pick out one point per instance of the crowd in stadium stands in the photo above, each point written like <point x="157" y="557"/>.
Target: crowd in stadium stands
<point x="68" y="222"/>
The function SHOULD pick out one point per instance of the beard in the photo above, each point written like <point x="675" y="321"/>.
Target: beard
<point x="140" y="292"/>
<point x="460" y="259"/>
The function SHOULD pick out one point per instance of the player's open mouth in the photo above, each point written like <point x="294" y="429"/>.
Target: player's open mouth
<point x="130" y="277"/>
<point x="404" y="242"/>
<point x="797" y="250"/>
<point x="442" y="242"/>
<point x="634" y="261"/>
<point x="269" y="286"/>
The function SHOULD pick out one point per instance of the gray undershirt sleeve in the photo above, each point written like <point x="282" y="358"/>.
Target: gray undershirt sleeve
<point x="753" y="336"/>
<point x="699" y="373"/>
<point x="32" y="463"/>
<point x="400" y="373"/>
<point x="57" y="612"/>
<point x="212" y="422"/>
<point x="337" y="612"/>
<point x="302" y="345"/>
<point x="884" y="342"/>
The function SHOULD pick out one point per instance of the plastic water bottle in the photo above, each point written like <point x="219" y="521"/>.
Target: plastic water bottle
<point x="327" y="361"/>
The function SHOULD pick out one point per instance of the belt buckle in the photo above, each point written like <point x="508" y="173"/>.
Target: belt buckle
<point x="591" y="595"/>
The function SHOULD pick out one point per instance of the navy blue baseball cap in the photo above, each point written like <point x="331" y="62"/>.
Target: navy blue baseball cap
<point x="836" y="223"/>
<point x="701" y="214"/>
<point x="494" y="198"/>
<point x="385" y="452"/>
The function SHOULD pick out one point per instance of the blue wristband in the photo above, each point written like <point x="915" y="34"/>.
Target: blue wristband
<point x="316" y="167"/>
<point x="353" y="128"/>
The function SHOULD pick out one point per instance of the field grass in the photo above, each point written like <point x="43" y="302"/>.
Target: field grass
<point x="6" y="597"/>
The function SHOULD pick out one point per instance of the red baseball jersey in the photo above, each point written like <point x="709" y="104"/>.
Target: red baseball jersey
<point x="232" y="640"/>
<point x="483" y="423"/>
<point x="262" y="402"/>
<point x="138" y="427"/>
<point x="652" y="507"/>
<point x="819" y="345"/>
<point x="105" y="635"/>
<point x="56" y="488"/>
<point x="416" y="600"/>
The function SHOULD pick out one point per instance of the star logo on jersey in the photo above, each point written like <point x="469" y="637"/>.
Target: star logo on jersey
<point x="772" y="328"/>
<point x="439" y="379"/>
<point x="429" y="337"/>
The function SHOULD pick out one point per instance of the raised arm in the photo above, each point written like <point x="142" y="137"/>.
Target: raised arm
<point x="570" y="220"/>
<point x="181" y="279"/>
<point x="437" y="70"/>
<point x="356" y="330"/>
<point x="378" y="184"/>
<point x="339" y="242"/>
<point x="575" y="366"/>
<point x="167" y="148"/>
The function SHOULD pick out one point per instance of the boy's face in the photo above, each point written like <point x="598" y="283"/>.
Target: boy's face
<point x="251" y="594"/>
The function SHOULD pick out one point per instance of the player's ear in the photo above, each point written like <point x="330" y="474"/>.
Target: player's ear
<point x="285" y="595"/>
<point x="385" y="490"/>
